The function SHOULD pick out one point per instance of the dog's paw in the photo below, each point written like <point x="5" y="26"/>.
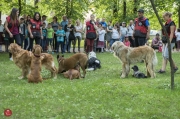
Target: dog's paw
<point x="20" y="77"/>
<point x="122" y="76"/>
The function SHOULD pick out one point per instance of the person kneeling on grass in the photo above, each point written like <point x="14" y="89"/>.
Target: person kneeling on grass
<point x="156" y="42"/>
<point x="60" y="33"/>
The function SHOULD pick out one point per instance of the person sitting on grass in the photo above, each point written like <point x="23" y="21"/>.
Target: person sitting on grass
<point x="126" y="41"/>
<point x="156" y="42"/>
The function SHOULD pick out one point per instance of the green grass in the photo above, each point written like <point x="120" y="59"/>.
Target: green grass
<point x="101" y="95"/>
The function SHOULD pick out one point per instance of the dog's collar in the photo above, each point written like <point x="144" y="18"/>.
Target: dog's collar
<point x="36" y="55"/>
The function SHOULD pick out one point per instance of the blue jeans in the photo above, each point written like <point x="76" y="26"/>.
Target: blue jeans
<point x="122" y="38"/>
<point x="112" y="41"/>
<point x="43" y="43"/>
<point x="62" y="46"/>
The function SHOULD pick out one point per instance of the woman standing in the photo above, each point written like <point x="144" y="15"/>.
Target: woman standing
<point x="69" y="29"/>
<point x="55" y="25"/>
<point x="35" y="30"/>
<point x="78" y="32"/>
<point x="170" y="28"/>
<point x="12" y="28"/>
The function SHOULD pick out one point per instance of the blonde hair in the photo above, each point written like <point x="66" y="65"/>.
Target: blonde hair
<point x="169" y="14"/>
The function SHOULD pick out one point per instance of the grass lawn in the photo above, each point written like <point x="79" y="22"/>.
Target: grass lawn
<point x="101" y="95"/>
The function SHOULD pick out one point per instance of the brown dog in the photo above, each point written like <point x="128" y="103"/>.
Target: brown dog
<point x="35" y="72"/>
<point x="73" y="73"/>
<point x="22" y="58"/>
<point x="70" y="63"/>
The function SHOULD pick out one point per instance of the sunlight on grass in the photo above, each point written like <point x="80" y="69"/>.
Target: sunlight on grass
<point x="101" y="95"/>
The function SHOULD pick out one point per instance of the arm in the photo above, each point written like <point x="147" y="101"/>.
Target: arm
<point x="7" y="29"/>
<point x="29" y="29"/>
<point x="148" y="29"/>
<point x="172" y="28"/>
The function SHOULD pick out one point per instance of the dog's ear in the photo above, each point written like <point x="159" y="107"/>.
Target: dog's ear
<point x="57" y="56"/>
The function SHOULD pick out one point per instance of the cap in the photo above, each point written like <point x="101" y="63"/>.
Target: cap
<point x="141" y="10"/>
<point x="44" y="16"/>
<point x="123" y="22"/>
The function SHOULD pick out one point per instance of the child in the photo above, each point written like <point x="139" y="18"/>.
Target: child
<point x="101" y="33"/>
<point x="60" y="33"/>
<point x="22" y="29"/>
<point x="50" y="35"/>
<point x="126" y="41"/>
<point x="178" y="39"/>
<point x="44" y="32"/>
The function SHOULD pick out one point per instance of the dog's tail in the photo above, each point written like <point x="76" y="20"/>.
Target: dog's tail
<point x="155" y="60"/>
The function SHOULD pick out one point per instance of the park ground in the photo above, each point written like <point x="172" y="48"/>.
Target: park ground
<point x="100" y="95"/>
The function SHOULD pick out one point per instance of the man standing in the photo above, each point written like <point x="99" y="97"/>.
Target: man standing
<point x="44" y="20"/>
<point x="90" y="33"/>
<point x="1" y="35"/>
<point x="142" y="29"/>
<point x="63" y="23"/>
<point x="130" y="32"/>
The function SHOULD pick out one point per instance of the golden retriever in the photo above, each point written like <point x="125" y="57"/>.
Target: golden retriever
<point x="22" y="58"/>
<point x="71" y="62"/>
<point x="128" y="55"/>
<point x="73" y="73"/>
<point x="35" y="72"/>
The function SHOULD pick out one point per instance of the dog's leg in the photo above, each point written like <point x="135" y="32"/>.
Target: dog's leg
<point x="147" y="71"/>
<point x="84" y="71"/>
<point x="24" y="73"/>
<point x="150" y="69"/>
<point x="123" y="75"/>
<point x="127" y="69"/>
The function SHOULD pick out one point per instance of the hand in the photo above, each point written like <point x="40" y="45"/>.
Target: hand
<point x="10" y="35"/>
<point x="31" y="36"/>
<point x="147" y="36"/>
<point x="41" y="37"/>
<point x="132" y="37"/>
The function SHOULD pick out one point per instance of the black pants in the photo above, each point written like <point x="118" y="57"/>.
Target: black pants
<point x="17" y="40"/>
<point x="37" y="41"/>
<point x="22" y="39"/>
<point x="131" y="41"/>
<point x="55" y="42"/>
<point x="78" y="38"/>
<point x="140" y="41"/>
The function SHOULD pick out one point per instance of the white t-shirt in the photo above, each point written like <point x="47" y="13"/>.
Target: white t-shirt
<point x="178" y="36"/>
<point x="78" y="28"/>
<point x="1" y="28"/>
<point x="45" y="23"/>
<point x="101" y="34"/>
<point x="130" y="30"/>
<point x="115" y="34"/>
<point x="123" y="31"/>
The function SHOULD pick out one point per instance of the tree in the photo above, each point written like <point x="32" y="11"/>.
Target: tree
<point x="169" y="44"/>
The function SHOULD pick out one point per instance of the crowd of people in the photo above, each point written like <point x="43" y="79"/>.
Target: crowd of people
<point x="99" y="34"/>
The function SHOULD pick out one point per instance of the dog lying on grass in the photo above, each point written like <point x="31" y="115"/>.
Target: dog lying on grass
<point x="73" y="73"/>
<point x="137" y="73"/>
<point x="35" y="68"/>
<point x="70" y="63"/>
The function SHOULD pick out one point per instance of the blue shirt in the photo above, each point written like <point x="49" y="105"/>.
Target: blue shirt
<point x="63" y="23"/>
<point x="147" y="23"/>
<point x="104" y="24"/>
<point x="60" y="35"/>
<point x="44" y="32"/>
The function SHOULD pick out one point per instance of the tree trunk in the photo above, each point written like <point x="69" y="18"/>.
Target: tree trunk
<point x="70" y="14"/>
<point x="169" y="44"/>
<point x="124" y="9"/>
<point x="20" y="7"/>
<point x="0" y="14"/>
<point x="179" y="16"/>
<point x="115" y="9"/>
<point x="67" y="8"/>
<point x="135" y="6"/>
<point x="35" y="2"/>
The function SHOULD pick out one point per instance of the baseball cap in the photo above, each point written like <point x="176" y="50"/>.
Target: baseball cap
<point x="141" y="10"/>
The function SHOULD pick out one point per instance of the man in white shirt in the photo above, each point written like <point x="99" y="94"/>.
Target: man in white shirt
<point x="1" y="35"/>
<point x="44" y="20"/>
<point x="130" y="32"/>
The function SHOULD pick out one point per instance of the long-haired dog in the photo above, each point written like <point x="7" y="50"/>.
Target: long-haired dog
<point x="137" y="73"/>
<point x="70" y="63"/>
<point x="128" y="55"/>
<point x="22" y="58"/>
<point x="35" y="68"/>
<point x="73" y="73"/>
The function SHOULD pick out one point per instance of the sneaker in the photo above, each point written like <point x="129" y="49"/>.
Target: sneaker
<point x="161" y="71"/>
<point x="11" y="59"/>
<point x="175" y="69"/>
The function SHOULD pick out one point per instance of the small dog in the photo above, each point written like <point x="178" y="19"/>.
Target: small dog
<point x="137" y="73"/>
<point x="93" y="62"/>
<point x="69" y="63"/>
<point x="35" y="72"/>
<point x="73" y="73"/>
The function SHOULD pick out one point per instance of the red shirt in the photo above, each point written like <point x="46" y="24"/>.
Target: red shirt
<point x="127" y="43"/>
<point x="90" y="27"/>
